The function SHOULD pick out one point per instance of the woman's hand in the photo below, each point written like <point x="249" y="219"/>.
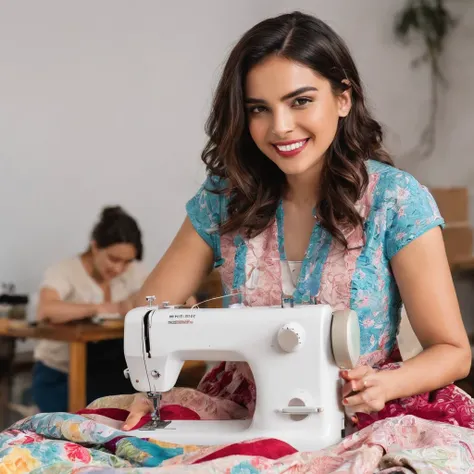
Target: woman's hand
<point x="125" y="306"/>
<point x="107" y="308"/>
<point x="140" y="407"/>
<point x="365" y="390"/>
<point x="122" y="307"/>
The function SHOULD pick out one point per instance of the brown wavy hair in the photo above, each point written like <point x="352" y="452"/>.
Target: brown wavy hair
<point x="254" y="183"/>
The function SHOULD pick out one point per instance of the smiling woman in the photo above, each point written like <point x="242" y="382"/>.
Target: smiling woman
<point x="288" y="97"/>
<point x="302" y="200"/>
<point x="101" y="280"/>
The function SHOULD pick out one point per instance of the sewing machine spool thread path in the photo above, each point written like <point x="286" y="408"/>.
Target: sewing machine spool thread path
<point x="295" y="354"/>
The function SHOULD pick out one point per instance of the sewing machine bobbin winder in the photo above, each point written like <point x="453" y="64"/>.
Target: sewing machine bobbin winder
<point x="295" y="353"/>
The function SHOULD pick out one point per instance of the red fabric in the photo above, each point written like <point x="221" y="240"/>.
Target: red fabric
<point x="170" y="412"/>
<point x="112" y="413"/>
<point x="448" y="405"/>
<point x="268" y="448"/>
<point x="224" y="381"/>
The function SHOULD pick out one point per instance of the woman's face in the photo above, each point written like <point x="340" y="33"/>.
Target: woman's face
<point x="293" y="113"/>
<point x="112" y="261"/>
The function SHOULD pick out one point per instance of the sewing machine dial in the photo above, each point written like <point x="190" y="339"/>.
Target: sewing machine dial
<point x="291" y="337"/>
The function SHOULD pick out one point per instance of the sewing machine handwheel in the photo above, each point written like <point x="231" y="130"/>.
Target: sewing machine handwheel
<point x="345" y="338"/>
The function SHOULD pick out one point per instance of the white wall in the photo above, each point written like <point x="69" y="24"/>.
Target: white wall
<point x="104" y="103"/>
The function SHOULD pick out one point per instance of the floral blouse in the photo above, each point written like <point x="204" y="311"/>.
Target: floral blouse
<point x="396" y="209"/>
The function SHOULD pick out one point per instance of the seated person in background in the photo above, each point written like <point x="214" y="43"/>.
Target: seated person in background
<point x="102" y="280"/>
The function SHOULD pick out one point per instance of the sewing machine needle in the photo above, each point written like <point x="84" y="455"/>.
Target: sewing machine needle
<point x="156" y="407"/>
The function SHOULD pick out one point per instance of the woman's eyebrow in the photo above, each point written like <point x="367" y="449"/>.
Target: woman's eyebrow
<point x="290" y="95"/>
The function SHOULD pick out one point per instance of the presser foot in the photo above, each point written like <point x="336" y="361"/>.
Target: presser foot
<point x="153" y="425"/>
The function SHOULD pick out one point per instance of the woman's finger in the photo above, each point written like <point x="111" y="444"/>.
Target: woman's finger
<point x="362" y="397"/>
<point x="140" y="407"/>
<point x="354" y="386"/>
<point x="347" y="389"/>
<point x="359" y="372"/>
<point x="132" y="420"/>
<point x="362" y="408"/>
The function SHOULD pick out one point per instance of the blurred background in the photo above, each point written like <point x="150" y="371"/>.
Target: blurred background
<point x="104" y="103"/>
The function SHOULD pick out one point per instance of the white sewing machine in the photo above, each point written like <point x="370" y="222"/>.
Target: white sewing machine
<point x="295" y="354"/>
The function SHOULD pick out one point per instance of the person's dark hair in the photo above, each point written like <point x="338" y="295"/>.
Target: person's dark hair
<point x="255" y="183"/>
<point x="115" y="226"/>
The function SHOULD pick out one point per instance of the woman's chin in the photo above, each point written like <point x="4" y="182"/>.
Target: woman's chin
<point x="295" y="168"/>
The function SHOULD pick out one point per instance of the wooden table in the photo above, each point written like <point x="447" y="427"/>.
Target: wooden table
<point x="77" y="335"/>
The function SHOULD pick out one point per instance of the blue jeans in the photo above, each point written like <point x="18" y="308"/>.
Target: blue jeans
<point x="105" y="365"/>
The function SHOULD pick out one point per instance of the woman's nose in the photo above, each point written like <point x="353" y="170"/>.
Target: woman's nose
<point x="118" y="268"/>
<point x="283" y="123"/>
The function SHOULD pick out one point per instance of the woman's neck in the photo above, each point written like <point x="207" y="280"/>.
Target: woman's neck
<point x="88" y="263"/>
<point x="303" y="189"/>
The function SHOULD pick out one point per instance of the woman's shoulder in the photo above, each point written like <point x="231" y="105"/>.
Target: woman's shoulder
<point x="394" y="186"/>
<point x="402" y="205"/>
<point x="390" y="178"/>
<point x="215" y="183"/>
<point x="207" y="209"/>
<point x="210" y="200"/>
<point x="63" y="276"/>
<point x="66" y="266"/>
<point x="213" y="188"/>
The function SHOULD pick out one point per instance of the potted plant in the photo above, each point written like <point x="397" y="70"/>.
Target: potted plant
<point x="432" y="23"/>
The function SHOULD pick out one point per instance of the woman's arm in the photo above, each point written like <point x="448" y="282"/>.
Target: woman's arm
<point x="424" y="278"/>
<point x="426" y="286"/>
<point x="182" y="269"/>
<point x="51" y="308"/>
<point x="175" y="278"/>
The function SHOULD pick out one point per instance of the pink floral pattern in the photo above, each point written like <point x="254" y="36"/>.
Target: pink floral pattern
<point x="76" y="452"/>
<point x="263" y="257"/>
<point x="447" y="405"/>
<point x="336" y="280"/>
<point x="226" y="270"/>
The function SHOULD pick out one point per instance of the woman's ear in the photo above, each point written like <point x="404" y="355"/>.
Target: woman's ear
<point x="345" y="99"/>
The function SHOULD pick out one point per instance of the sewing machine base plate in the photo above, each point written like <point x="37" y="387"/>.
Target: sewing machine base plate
<point x="155" y="425"/>
<point x="219" y="432"/>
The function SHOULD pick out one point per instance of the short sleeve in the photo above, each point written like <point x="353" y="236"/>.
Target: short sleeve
<point x="56" y="278"/>
<point x="206" y="210"/>
<point x="411" y="211"/>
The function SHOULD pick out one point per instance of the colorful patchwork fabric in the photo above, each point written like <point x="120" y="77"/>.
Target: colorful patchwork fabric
<point x="67" y="444"/>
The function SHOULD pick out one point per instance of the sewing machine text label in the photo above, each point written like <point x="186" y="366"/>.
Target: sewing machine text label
<point x="181" y="318"/>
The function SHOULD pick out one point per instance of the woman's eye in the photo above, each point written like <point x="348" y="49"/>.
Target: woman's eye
<point x="258" y="109"/>
<point x="300" y="101"/>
